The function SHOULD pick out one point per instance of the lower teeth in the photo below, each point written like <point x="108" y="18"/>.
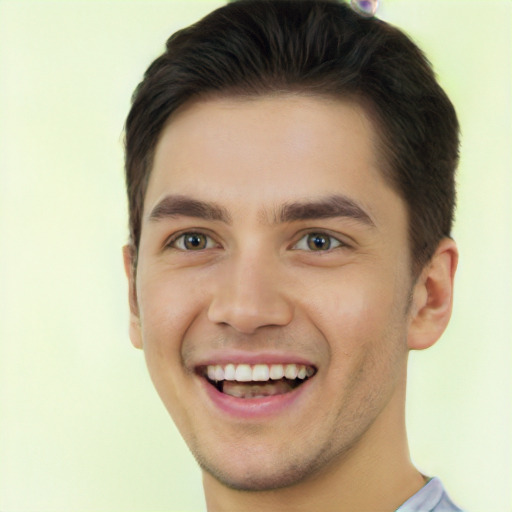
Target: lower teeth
<point x="257" y="390"/>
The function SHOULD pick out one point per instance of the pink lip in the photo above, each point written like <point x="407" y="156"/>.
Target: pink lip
<point x="253" y="408"/>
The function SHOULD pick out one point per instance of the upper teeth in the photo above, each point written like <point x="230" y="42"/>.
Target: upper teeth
<point x="258" y="372"/>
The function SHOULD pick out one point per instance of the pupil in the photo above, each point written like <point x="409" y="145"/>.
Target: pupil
<point x="195" y="242"/>
<point x="317" y="242"/>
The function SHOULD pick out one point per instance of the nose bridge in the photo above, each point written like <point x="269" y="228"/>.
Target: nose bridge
<point x="250" y="293"/>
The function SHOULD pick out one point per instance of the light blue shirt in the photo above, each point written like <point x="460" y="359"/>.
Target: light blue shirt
<point x="430" y="498"/>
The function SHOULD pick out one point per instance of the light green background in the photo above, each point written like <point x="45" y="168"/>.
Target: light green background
<point x="81" y="428"/>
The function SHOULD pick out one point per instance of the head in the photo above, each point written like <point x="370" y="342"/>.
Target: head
<point x="257" y="48"/>
<point x="290" y="173"/>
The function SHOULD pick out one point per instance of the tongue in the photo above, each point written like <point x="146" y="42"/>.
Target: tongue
<point x="256" y="390"/>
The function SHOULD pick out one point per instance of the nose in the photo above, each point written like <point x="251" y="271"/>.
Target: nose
<point x="249" y="294"/>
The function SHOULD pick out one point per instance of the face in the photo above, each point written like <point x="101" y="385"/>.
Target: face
<point x="272" y="286"/>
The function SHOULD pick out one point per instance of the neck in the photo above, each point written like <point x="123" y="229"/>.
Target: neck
<point x="375" y="474"/>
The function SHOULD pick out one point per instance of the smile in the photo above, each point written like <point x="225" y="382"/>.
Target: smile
<point x="258" y="380"/>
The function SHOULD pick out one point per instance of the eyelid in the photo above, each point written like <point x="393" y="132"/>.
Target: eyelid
<point x="171" y="241"/>
<point x="340" y="243"/>
<point x="336" y="240"/>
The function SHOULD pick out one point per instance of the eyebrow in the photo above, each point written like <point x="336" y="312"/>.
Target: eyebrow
<point x="332" y="206"/>
<point x="329" y="207"/>
<point x="178" y="205"/>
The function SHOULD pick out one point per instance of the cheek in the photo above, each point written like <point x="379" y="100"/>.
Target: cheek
<point x="168" y="306"/>
<point x="167" y="303"/>
<point x="364" y="323"/>
<point x="167" y="310"/>
<point x="356" y="310"/>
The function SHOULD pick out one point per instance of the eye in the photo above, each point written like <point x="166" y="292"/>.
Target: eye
<point x="317" y="242"/>
<point x="192" y="242"/>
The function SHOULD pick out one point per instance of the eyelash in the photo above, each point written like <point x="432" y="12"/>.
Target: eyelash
<point x="180" y="239"/>
<point x="333" y="242"/>
<point x="303" y="244"/>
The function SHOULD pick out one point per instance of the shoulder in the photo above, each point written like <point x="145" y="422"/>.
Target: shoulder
<point x="432" y="497"/>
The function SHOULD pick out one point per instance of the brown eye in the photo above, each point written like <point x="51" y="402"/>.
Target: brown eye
<point x="192" y="242"/>
<point x="318" y="242"/>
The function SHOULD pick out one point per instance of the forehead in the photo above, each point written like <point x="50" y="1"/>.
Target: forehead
<point x="268" y="150"/>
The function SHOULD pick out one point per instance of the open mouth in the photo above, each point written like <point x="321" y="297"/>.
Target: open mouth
<point x="256" y="381"/>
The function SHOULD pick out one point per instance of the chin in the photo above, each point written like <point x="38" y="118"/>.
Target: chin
<point x="258" y="480"/>
<point x="263" y="475"/>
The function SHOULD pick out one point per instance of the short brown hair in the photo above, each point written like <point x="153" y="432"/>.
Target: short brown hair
<point x="258" y="47"/>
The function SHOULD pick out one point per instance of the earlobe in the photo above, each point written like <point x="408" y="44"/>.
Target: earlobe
<point x="129" y="268"/>
<point x="433" y="297"/>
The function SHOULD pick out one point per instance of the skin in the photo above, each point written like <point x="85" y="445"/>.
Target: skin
<point x="353" y="310"/>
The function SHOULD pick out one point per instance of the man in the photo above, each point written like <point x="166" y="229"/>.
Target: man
<point x="290" y="174"/>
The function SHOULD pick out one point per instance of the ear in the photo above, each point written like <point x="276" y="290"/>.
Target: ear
<point x="433" y="297"/>
<point x="129" y="253"/>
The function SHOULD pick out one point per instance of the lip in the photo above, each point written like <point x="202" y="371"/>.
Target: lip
<point x="253" y="408"/>
<point x="251" y="358"/>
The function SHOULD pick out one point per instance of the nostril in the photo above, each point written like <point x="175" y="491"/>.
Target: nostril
<point x="248" y="316"/>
